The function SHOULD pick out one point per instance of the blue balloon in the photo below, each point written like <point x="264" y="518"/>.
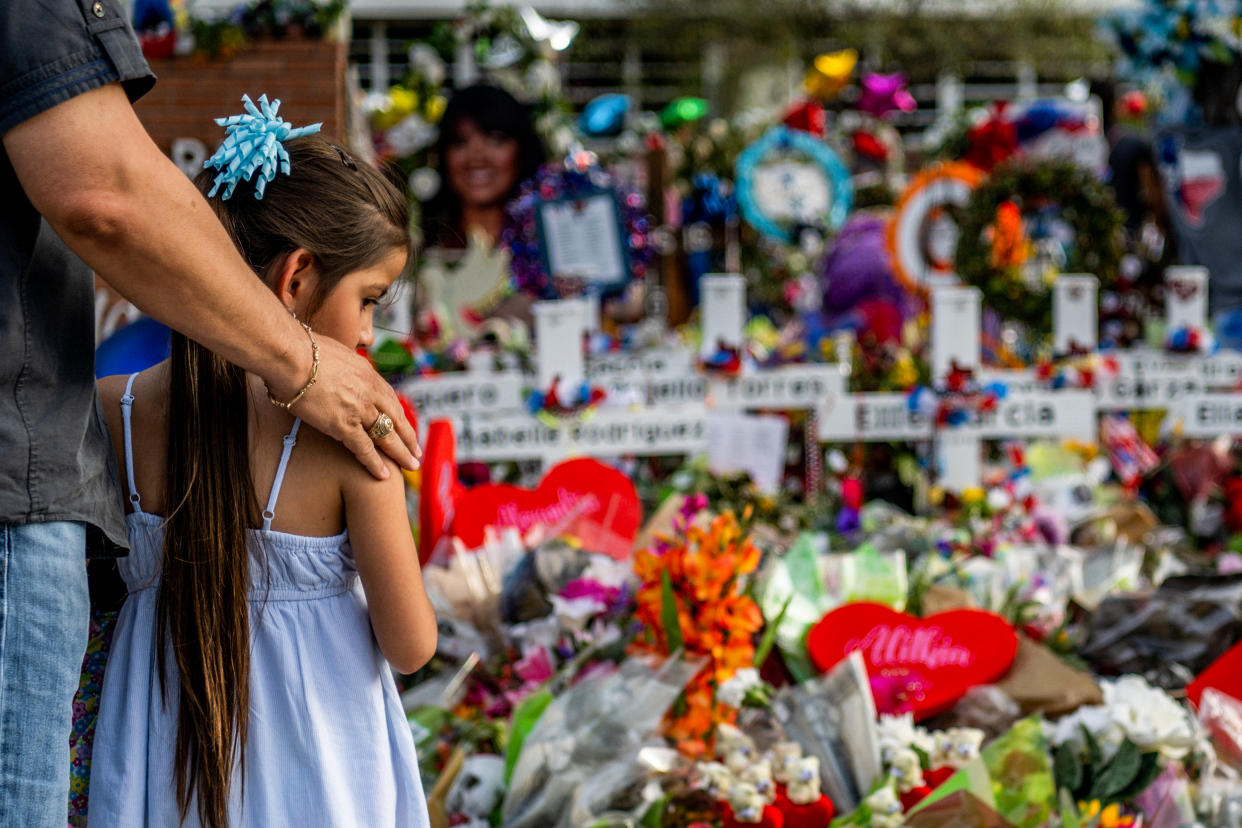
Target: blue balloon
<point x="604" y="117"/>
<point x="151" y="13"/>
<point x="136" y="347"/>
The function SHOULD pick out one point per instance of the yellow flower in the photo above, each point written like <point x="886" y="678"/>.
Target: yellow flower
<point x="972" y="495"/>
<point x="435" y="108"/>
<point x="1111" y="817"/>
<point x="904" y="372"/>
<point x="1089" y="810"/>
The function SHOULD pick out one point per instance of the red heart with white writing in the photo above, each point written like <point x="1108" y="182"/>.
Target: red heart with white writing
<point x="595" y="503"/>
<point x="924" y="665"/>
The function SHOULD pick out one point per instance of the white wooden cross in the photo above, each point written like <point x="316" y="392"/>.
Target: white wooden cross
<point x="1075" y="313"/>
<point x="1150" y="378"/>
<point x="1024" y="413"/>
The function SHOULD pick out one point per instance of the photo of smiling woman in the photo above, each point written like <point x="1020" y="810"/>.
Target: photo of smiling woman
<point x="487" y="148"/>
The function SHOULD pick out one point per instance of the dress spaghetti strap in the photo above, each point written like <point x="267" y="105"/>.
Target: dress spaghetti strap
<point x="127" y="404"/>
<point x="290" y="440"/>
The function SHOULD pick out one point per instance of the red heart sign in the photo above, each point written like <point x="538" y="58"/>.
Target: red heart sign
<point x="598" y="502"/>
<point x="920" y="664"/>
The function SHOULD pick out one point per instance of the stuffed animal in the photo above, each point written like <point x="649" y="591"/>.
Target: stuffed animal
<point x="746" y="808"/>
<point x="729" y="739"/>
<point x="957" y="747"/>
<point x="885" y="808"/>
<point x="740" y="758"/>
<point x="801" y="803"/>
<point x="785" y="757"/>
<point x="716" y="779"/>
<point x="907" y="770"/>
<point x="759" y="774"/>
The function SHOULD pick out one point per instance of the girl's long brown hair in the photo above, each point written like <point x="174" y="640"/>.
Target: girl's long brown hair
<point x="349" y="217"/>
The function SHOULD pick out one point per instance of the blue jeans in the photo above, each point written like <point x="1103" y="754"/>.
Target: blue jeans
<point x="44" y="616"/>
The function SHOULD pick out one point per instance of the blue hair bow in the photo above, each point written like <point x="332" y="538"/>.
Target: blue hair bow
<point x="254" y="145"/>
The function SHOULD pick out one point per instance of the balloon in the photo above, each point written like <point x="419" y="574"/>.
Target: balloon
<point x="604" y="117"/>
<point x="808" y="116"/>
<point x="881" y="94"/>
<point x="858" y="268"/>
<point x="830" y="73"/>
<point x="683" y="111"/>
<point x="136" y="347"/>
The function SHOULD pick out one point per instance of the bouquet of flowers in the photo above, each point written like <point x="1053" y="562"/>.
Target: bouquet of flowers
<point x="692" y="598"/>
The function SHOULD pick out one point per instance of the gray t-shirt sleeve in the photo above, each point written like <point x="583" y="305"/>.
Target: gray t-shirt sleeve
<point x="54" y="50"/>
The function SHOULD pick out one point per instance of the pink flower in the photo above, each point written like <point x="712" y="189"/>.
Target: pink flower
<point x="590" y="588"/>
<point x="535" y="666"/>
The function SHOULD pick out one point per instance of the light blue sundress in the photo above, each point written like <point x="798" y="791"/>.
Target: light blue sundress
<point x="329" y="744"/>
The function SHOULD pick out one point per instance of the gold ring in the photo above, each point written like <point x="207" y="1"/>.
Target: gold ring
<point x="381" y="428"/>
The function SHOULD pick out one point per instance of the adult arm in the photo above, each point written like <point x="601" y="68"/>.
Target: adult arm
<point x="93" y="172"/>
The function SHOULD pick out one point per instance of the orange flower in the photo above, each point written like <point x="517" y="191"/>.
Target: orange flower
<point x="1010" y="247"/>
<point x="716" y="619"/>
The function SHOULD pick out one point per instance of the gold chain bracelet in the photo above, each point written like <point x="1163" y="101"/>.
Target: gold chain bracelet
<point x="314" y="373"/>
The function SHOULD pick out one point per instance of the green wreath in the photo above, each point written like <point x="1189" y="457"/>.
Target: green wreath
<point x="1085" y="204"/>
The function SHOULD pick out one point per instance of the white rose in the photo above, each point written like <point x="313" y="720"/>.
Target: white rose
<point x="1098" y="722"/>
<point x="1149" y="716"/>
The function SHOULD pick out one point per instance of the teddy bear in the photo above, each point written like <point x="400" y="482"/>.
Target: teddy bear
<point x="800" y="802"/>
<point x="746" y="808"/>
<point x="759" y="774"/>
<point x="716" y="779"/>
<point x="729" y="739"/>
<point x="885" y="808"/>
<point x="785" y="758"/>
<point x="906" y="769"/>
<point x="957" y="747"/>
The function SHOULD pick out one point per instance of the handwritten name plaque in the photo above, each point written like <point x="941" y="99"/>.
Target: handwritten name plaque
<point x="442" y="395"/>
<point x="886" y="417"/>
<point x="1211" y="415"/>
<point x="610" y="432"/>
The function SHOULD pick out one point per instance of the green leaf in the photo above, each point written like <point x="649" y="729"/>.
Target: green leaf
<point x="1094" y="755"/>
<point x="1118" y="774"/>
<point x="1069" y="811"/>
<point x="525" y="715"/>
<point x="1066" y="767"/>
<point x="1149" y="769"/>
<point x="769" y="634"/>
<point x="668" y="614"/>
<point x="654" y="818"/>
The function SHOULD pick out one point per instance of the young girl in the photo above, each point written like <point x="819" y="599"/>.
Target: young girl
<point x="249" y="680"/>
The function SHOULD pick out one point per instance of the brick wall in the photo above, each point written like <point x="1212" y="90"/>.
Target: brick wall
<point x="307" y="75"/>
